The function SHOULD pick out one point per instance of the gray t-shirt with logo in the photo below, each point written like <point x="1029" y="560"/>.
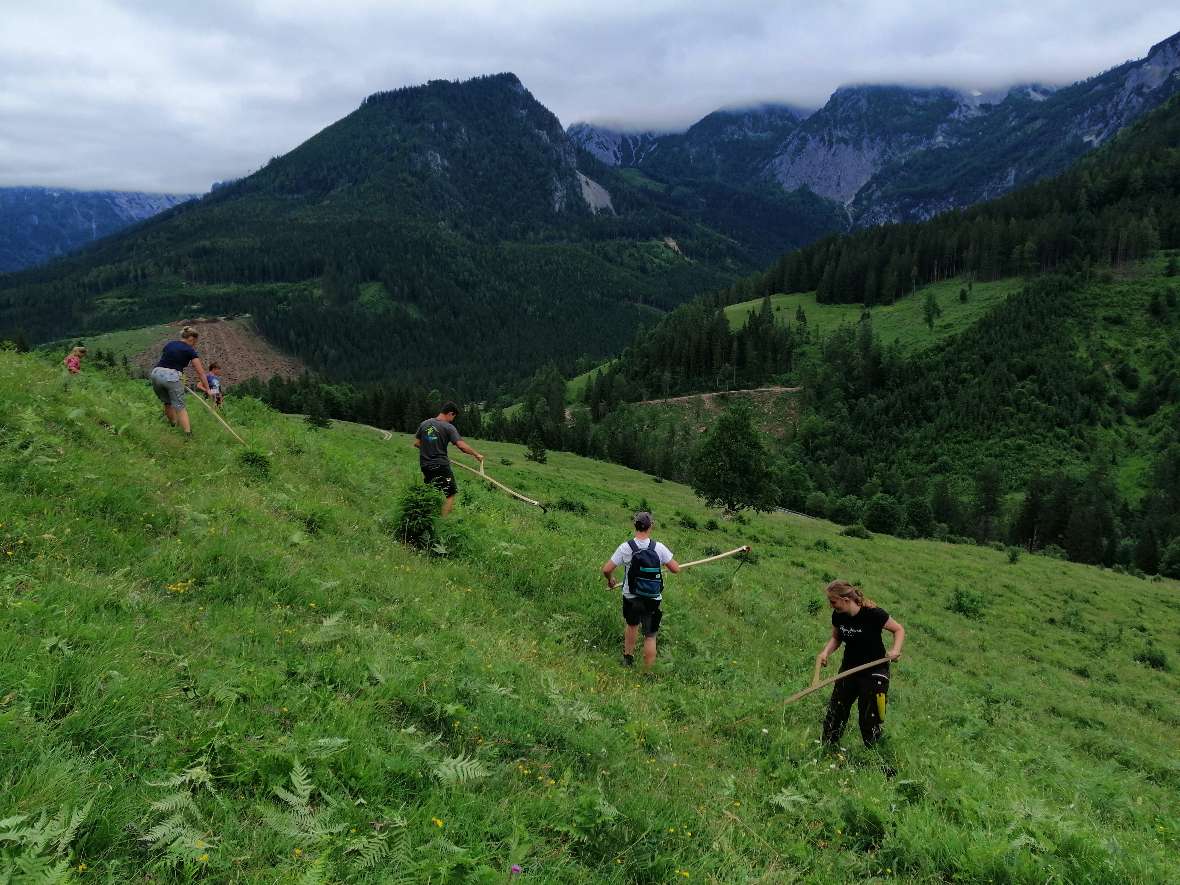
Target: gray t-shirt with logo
<point x="434" y="435"/>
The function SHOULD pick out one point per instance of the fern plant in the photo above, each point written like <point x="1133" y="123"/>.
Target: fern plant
<point x="318" y="832"/>
<point x="37" y="850"/>
<point x="176" y="828"/>
<point x="460" y="769"/>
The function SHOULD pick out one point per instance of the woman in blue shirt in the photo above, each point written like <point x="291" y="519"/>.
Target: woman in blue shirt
<point x="168" y="377"/>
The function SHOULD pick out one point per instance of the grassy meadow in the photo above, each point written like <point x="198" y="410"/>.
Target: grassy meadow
<point x="218" y="664"/>
<point x="902" y="322"/>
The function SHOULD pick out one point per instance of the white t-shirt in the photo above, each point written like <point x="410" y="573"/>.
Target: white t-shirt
<point x="623" y="557"/>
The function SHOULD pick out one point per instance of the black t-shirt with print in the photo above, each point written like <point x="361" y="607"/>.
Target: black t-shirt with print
<point x="860" y="634"/>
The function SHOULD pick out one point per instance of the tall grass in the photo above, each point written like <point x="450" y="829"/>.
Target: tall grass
<point x="232" y="674"/>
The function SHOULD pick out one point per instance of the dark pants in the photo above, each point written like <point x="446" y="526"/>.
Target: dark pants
<point x="868" y="689"/>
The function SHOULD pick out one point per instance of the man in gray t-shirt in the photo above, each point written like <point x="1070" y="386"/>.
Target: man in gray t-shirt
<point x="431" y="440"/>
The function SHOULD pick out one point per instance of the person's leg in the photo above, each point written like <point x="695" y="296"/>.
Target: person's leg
<point x="630" y="635"/>
<point x="182" y="419"/>
<point x="871" y="691"/>
<point x="448" y="505"/>
<point x="652" y="615"/>
<point x="170" y="414"/>
<point x="649" y="651"/>
<point x="839" y="707"/>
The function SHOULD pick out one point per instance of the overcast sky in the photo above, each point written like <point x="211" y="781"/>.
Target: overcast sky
<point x="171" y="95"/>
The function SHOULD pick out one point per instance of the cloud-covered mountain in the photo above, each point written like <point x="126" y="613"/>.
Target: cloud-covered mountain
<point x="891" y="153"/>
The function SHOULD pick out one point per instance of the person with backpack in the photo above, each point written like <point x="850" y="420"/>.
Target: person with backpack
<point x="643" y="586"/>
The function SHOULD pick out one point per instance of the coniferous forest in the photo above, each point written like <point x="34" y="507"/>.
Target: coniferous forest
<point x="999" y="434"/>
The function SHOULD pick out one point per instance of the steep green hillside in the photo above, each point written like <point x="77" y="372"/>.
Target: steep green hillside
<point x="219" y="665"/>
<point x="903" y="321"/>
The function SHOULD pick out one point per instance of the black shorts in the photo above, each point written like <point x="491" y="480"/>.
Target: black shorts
<point x="643" y="613"/>
<point x="442" y="478"/>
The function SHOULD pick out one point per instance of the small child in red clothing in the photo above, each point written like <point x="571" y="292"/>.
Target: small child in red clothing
<point x="73" y="362"/>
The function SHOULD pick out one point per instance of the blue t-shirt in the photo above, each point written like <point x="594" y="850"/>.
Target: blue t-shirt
<point x="214" y="381"/>
<point x="177" y="355"/>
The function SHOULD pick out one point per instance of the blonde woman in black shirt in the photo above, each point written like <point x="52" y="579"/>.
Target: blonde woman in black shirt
<point x="857" y="623"/>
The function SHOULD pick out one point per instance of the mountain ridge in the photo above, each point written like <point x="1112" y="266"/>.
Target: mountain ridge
<point x="38" y="224"/>
<point x="890" y="152"/>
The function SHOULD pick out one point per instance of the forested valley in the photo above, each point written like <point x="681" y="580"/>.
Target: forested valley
<point x="1050" y="424"/>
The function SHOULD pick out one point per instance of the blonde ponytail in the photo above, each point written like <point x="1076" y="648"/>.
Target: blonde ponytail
<point x="844" y="590"/>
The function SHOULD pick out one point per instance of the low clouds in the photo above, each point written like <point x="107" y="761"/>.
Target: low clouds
<point x="171" y="96"/>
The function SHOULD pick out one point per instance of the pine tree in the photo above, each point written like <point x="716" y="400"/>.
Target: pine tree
<point x="536" y="450"/>
<point x="930" y="310"/>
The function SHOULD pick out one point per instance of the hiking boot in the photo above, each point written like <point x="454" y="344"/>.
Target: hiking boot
<point x="628" y="660"/>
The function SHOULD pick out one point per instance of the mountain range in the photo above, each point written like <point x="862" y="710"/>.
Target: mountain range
<point x="38" y="224"/>
<point x="425" y="218"/>
<point x="896" y="153"/>
<point x="461" y="216"/>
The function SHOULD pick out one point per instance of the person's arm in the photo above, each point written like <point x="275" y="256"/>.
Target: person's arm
<point x="607" y="568"/>
<point x="830" y="646"/>
<point x="898" y="632"/>
<point x="202" y="384"/>
<point x="667" y="559"/>
<point x="417" y="443"/>
<point x="462" y="446"/>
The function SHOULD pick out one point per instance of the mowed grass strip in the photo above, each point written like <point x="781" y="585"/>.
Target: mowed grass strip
<point x="223" y="667"/>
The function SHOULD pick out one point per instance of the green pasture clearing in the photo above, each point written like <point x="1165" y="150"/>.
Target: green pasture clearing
<point x="903" y="321"/>
<point x="575" y="388"/>
<point x="128" y="343"/>
<point x="222" y="665"/>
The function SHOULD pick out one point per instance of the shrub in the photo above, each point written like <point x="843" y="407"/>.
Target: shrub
<point x="569" y="505"/>
<point x="1153" y="656"/>
<point x="919" y="516"/>
<point x="689" y="522"/>
<point x="846" y="510"/>
<point x="856" y="530"/>
<point x="883" y="514"/>
<point x="816" y="504"/>
<point x="255" y="462"/>
<point x="315" y="519"/>
<point x="316" y="416"/>
<point x="711" y="525"/>
<point x="1170" y="561"/>
<point x="415" y="522"/>
<point x="968" y="603"/>
<point x="1013" y="554"/>
<point x="536" y="450"/>
<point x="1052" y="551"/>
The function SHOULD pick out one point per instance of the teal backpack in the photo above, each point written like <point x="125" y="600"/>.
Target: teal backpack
<point x="645" y="576"/>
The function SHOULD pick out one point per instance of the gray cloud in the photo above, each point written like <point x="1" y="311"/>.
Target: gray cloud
<point x="171" y="95"/>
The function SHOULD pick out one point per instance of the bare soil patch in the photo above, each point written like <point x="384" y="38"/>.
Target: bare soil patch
<point x="241" y="352"/>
